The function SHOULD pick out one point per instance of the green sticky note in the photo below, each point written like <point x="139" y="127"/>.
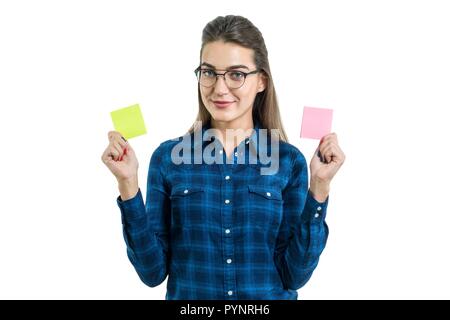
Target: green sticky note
<point x="129" y="121"/>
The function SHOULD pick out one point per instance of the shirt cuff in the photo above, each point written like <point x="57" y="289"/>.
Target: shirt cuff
<point x="133" y="208"/>
<point x="314" y="211"/>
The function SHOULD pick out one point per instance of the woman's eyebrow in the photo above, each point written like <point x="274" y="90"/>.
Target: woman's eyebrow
<point x="239" y="66"/>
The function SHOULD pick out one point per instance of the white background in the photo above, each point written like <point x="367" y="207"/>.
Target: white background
<point x="383" y="66"/>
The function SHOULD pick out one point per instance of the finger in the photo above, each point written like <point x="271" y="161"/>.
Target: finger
<point x="118" y="140"/>
<point x="326" y="140"/>
<point x="106" y="156"/>
<point x="116" y="135"/>
<point x="322" y="151"/>
<point x="332" y="135"/>
<point x="119" y="148"/>
<point x="323" y="141"/>
<point x="317" y="153"/>
<point x="113" y="153"/>
<point x="323" y="157"/>
<point x="336" y="154"/>
<point x="112" y="135"/>
<point x="328" y="153"/>
<point x="339" y="155"/>
<point x="129" y="150"/>
<point x="329" y="150"/>
<point x="329" y="137"/>
<point x="325" y="144"/>
<point x="121" y="142"/>
<point x="124" y="154"/>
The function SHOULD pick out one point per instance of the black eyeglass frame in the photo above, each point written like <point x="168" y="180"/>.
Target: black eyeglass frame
<point x="196" y="71"/>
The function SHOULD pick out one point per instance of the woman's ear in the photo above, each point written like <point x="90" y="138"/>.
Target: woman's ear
<point x="262" y="82"/>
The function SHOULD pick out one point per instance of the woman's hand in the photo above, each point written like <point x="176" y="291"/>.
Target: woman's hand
<point x="326" y="161"/>
<point x="120" y="158"/>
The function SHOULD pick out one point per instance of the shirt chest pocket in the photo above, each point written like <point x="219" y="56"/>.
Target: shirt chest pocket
<point x="266" y="205"/>
<point x="187" y="204"/>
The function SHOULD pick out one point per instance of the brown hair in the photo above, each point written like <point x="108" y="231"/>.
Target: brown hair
<point x="239" y="30"/>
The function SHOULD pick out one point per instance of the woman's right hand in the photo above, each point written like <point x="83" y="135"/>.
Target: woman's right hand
<point x="120" y="158"/>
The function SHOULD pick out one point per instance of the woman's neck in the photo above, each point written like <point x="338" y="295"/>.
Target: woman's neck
<point x="237" y="124"/>
<point x="240" y="129"/>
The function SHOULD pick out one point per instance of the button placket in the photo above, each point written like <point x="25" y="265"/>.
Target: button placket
<point x="227" y="238"/>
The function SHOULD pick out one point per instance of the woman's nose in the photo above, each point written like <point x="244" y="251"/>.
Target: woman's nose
<point x="220" y="87"/>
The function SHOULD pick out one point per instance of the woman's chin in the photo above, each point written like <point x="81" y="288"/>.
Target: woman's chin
<point x="223" y="117"/>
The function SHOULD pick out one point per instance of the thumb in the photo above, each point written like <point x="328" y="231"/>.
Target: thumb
<point x="317" y="153"/>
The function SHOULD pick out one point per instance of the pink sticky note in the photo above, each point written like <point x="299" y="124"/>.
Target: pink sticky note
<point x="316" y="122"/>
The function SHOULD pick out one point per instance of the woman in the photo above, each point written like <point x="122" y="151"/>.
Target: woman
<point x="223" y="229"/>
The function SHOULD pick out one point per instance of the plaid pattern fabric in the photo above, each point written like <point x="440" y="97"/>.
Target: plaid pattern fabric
<point x="224" y="231"/>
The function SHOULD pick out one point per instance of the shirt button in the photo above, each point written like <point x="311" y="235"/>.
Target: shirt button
<point x="319" y="208"/>
<point x="316" y="215"/>
<point x="220" y="151"/>
<point x="227" y="201"/>
<point x="268" y="194"/>
<point x="227" y="231"/>
<point x="230" y="293"/>
<point x="229" y="261"/>
<point x="186" y="191"/>
<point x="227" y="178"/>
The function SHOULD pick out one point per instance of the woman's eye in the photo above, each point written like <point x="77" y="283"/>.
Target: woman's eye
<point x="236" y="75"/>
<point x="207" y="73"/>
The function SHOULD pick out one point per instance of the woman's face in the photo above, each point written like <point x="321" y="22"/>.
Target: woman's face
<point x="221" y="57"/>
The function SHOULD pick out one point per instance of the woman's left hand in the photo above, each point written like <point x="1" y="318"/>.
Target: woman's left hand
<point x="323" y="171"/>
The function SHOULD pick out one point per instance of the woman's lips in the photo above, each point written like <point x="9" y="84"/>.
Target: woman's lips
<point x="222" y="104"/>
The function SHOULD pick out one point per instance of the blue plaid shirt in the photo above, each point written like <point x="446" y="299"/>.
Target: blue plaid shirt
<point x="224" y="231"/>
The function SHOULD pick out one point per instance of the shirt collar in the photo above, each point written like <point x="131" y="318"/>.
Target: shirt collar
<point x="252" y="140"/>
<point x="253" y="146"/>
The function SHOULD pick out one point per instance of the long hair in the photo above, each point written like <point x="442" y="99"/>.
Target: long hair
<point x="241" y="31"/>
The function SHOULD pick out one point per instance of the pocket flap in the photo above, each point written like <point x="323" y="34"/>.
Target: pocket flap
<point x="183" y="191"/>
<point x="266" y="192"/>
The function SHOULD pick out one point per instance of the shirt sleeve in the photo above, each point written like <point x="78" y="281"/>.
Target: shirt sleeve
<point x="146" y="227"/>
<point x="303" y="232"/>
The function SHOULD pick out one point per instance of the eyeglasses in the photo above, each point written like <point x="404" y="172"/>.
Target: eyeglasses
<point x="233" y="79"/>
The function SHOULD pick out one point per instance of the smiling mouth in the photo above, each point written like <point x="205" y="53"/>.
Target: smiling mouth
<point x="222" y="104"/>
